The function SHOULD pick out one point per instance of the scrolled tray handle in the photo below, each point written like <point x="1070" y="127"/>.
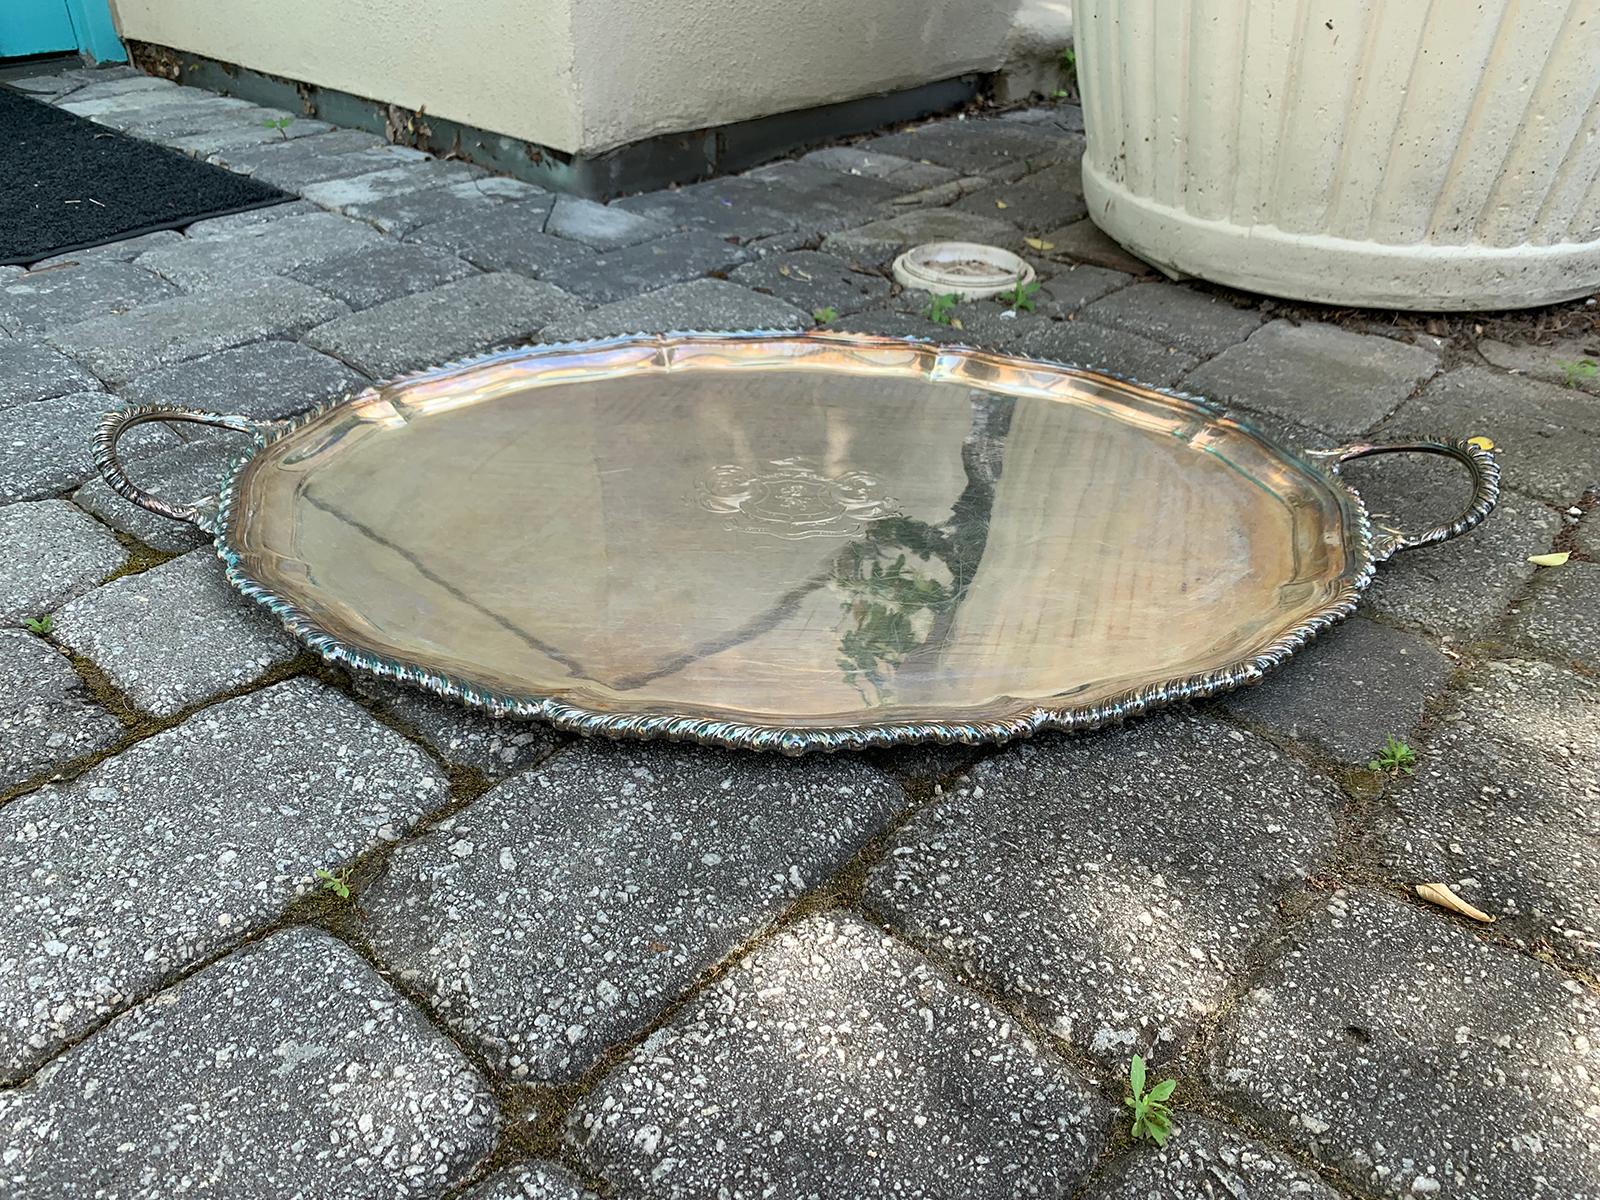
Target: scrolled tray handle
<point x="114" y="424"/>
<point x="1480" y="463"/>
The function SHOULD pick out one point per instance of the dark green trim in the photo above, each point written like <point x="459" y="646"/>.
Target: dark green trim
<point x="639" y="166"/>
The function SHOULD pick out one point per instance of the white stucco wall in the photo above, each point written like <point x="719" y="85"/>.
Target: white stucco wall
<point x="587" y="75"/>
<point x="503" y="65"/>
<point x="660" y="66"/>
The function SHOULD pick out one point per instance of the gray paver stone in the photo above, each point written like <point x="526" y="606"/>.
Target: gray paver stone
<point x="1505" y="806"/>
<point x="155" y="335"/>
<point x="1176" y="315"/>
<point x="287" y="1069"/>
<point x="185" y="111"/>
<point x="198" y="117"/>
<point x="322" y="162"/>
<point x="266" y="380"/>
<point x="1206" y="1160"/>
<point x="834" y="1062"/>
<point x="894" y="323"/>
<point x="1460" y="588"/>
<point x="373" y="186"/>
<point x="624" y="274"/>
<point x="96" y="96"/>
<point x="46" y="718"/>
<point x="47" y="446"/>
<point x="446" y="323"/>
<point x="399" y="215"/>
<point x="1039" y="202"/>
<point x="1082" y="241"/>
<point x="269" y="248"/>
<point x="599" y="225"/>
<point x="564" y="910"/>
<point x="49" y="553"/>
<point x="126" y="250"/>
<point x="292" y="164"/>
<point x="904" y="173"/>
<point x="183" y="845"/>
<point x="1547" y="437"/>
<point x="96" y="85"/>
<point x="493" y="746"/>
<point x="497" y="236"/>
<point x="1552" y="362"/>
<point x="1318" y="375"/>
<point x="1348" y="690"/>
<point x="816" y="199"/>
<point x="1061" y="114"/>
<point x="48" y="299"/>
<point x="533" y="1181"/>
<point x="382" y="272"/>
<point x="173" y="635"/>
<point x="1066" y="288"/>
<point x="810" y="281"/>
<point x="1418" y="1060"/>
<point x="1089" y="344"/>
<point x="32" y="371"/>
<point x="732" y="207"/>
<point x="942" y="195"/>
<point x="879" y="241"/>
<point x="992" y="323"/>
<point x="1560" y="615"/>
<point x="703" y="304"/>
<point x="979" y="146"/>
<point x="219" y="141"/>
<point x="1047" y="875"/>
<point x="235" y="224"/>
<point x="783" y="198"/>
<point x="187" y="473"/>
<point x="1586" y="537"/>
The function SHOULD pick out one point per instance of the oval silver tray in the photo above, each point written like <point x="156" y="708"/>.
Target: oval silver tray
<point x="791" y="542"/>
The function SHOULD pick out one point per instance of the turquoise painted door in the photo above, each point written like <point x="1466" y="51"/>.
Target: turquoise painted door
<point x="55" y="26"/>
<point x="35" y="27"/>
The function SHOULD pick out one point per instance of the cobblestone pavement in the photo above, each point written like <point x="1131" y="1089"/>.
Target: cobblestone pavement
<point x="566" y="968"/>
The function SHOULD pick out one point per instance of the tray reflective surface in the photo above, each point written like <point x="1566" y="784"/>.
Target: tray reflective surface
<point x="791" y="534"/>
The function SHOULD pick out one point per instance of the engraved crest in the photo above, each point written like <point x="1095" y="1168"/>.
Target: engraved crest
<point x="790" y="498"/>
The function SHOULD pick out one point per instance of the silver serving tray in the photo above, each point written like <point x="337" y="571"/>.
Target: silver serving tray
<point x="792" y="542"/>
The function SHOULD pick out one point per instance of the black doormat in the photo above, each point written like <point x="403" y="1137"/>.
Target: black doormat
<point x="67" y="183"/>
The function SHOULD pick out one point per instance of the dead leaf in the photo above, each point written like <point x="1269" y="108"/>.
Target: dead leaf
<point x="1558" y="559"/>
<point x="1040" y="244"/>
<point x="1482" y="443"/>
<point x="955" y="323"/>
<point x="1440" y="894"/>
<point x="784" y="271"/>
<point x="1001" y="204"/>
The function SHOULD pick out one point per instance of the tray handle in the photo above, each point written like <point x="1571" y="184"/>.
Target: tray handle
<point x="1480" y="463"/>
<point x="114" y="424"/>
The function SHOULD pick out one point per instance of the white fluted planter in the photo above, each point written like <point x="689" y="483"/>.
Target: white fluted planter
<point x="1391" y="153"/>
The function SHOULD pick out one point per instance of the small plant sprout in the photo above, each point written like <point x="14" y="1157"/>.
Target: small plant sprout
<point x="1020" y="297"/>
<point x="1069" y="74"/>
<point x="281" y="124"/>
<point x="1152" y="1119"/>
<point x="337" y="882"/>
<point x="40" y="625"/>
<point x="1394" y="758"/>
<point x="942" y="309"/>
<point x="1576" y="374"/>
<point x="825" y="314"/>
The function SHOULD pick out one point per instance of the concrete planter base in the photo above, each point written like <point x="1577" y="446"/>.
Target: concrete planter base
<point x="1422" y="276"/>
